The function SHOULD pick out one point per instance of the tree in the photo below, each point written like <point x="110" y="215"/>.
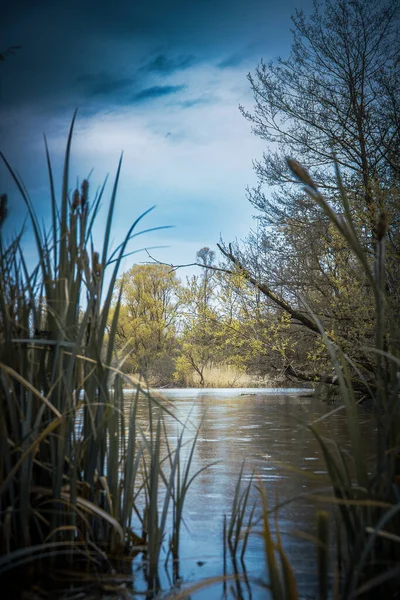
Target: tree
<point x="258" y="335"/>
<point x="336" y="96"/>
<point x="148" y="321"/>
<point x="338" y="92"/>
<point x="201" y="340"/>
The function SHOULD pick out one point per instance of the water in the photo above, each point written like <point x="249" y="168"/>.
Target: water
<point x="267" y="429"/>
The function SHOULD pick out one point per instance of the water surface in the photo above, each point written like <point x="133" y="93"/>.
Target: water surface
<point x="267" y="429"/>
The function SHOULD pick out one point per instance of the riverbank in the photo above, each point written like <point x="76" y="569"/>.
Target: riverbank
<point x="227" y="376"/>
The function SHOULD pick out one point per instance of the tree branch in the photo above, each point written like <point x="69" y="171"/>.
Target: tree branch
<point x="264" y="289"/>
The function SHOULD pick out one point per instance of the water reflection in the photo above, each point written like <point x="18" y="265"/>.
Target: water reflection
<point x="267" y="429"/>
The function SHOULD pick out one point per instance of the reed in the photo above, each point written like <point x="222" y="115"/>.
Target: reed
<point x="70" y="447"/>
<point x="366" y="496"/>
<point x="240" y="521"/>
<point x="181" y="479"/>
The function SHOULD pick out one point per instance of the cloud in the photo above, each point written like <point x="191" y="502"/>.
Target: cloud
<point x="157" y="91"/>
<point x="196" y="102"/>
<point x="233" y="60"/>
<point x="193" y="164"/>
<point x="165" y="65"/>
<point x="102" y="84"/>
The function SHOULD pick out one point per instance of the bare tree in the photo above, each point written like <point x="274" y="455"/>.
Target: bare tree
<point x="338" y="92"/>
<point x="335" y="97"/>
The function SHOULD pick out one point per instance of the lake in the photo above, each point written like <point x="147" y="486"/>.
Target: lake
<point x="266" y="428"/>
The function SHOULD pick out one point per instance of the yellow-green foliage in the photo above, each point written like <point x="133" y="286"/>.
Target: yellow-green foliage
<point x="148" y="320"/>
<point x="258" y="336"/>
<point x="202" y="339"/>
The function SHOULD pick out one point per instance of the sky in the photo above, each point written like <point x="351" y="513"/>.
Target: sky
<point x="160" y="80"/>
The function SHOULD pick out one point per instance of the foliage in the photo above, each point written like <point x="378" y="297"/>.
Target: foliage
<point x="148" y="321"/>
<point x="259" y="338"/>
<point x="175" y="333"/>
<point x="202" y="338"/>
<point x="365" y="495"/>
<point x="59" y="477"/>
<point x="335" y="95"/>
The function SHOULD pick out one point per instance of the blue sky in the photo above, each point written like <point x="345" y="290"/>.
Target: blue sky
<point x="160" y="80"/>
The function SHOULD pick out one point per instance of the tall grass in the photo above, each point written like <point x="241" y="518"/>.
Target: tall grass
<point x="70" y="447"/>
<point x="367" y="497"/>
<point x="240" y="521"/>
<point x="59" y="473"/>
<point x="226" y="376"/>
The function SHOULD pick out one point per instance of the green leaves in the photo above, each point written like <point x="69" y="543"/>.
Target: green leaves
<point x="148" y="320"/>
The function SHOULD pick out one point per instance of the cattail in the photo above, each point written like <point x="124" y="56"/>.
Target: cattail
<point x="76" y="200"/>
<point x="3" y="208"/>
<point x="382" y="226"/>
<point x="84" y="192"/>
<point x="300" y="172"/>
<point x="97" y="267"/>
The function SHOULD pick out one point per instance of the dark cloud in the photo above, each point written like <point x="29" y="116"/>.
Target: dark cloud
<point x="164" y="65"/>
<point x="157" y="91"/>
<point x="106" y="56"/>
<point x="131" y="40"/>
<point x="103" y="84"/>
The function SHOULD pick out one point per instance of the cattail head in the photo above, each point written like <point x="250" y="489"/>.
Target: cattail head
<point x="84" y="192"/>
<point x="300" y="172"/>
<point x="76" y="200"/>
<point x="382" y="226"/>
<point x="96" y="266"/>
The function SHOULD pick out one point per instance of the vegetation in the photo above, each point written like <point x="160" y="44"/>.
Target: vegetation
<point x="367" y="499"/>
<point x="146" y="332"/>
<point x="336" y="94"/>
<point x="365" y="495"/>
<point x="212" y="329"/>
<point x="316" y="284"/>
<point x="78" y="475"/>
